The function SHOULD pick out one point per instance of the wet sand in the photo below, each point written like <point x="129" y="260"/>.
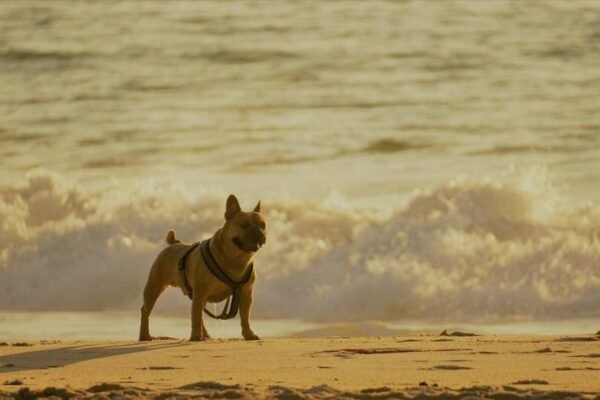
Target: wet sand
<point x="556" y="367"/>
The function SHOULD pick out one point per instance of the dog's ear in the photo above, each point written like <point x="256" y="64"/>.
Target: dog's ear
<point x="257" y="208"/>
<point x="232" y="207"/>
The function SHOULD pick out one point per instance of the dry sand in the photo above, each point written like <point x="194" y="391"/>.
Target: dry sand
<point x="498" y="367"/>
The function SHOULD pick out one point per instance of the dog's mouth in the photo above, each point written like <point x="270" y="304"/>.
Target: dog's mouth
<point x="247" y="248"/>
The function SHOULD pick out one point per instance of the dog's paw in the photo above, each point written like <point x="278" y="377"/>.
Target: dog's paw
<point x="250" y="336"/>
<point x="146" y="338"/>
<point x="205" y="334"/>
<point x="197" y="339"/>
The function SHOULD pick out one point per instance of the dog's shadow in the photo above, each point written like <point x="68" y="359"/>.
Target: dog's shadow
<point x="62" y="356"/>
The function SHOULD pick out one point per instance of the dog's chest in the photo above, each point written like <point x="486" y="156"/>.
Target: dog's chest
<point x="206" y="284"/>
<point x="218" y="293"/>
<point x="209" y="286"/>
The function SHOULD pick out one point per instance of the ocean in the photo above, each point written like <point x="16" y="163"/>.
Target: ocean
<point x="416" y="160"/>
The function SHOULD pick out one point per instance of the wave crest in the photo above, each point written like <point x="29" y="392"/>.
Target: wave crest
<point x="485" y="250"/>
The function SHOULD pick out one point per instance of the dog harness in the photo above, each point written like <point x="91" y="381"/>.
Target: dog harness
<point x="232" y="304"/>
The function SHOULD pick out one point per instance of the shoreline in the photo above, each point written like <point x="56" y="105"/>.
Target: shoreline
<point x="34" y="326"/>
<point x="522" y="366"/>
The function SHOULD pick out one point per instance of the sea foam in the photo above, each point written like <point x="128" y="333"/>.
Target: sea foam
<point x="489" y="250"/>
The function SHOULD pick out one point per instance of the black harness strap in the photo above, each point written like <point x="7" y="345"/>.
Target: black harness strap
<point x="187" y="289"/>
<point x="232" y="304"/>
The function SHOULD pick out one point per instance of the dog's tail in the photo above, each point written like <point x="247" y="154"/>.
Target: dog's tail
<point x="171" y="238"/>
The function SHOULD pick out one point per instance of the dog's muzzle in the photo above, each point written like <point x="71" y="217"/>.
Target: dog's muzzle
<point x="252" y="243"/>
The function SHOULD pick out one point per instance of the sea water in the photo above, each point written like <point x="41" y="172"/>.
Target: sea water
<point x="416" y="160"/>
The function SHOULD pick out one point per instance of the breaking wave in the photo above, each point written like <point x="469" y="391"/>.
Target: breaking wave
<point x="485" y="250"/>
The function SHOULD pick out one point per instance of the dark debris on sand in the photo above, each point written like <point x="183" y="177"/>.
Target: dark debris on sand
<point x="457" y="333"/>
<point x="449" y="367"/>
<point x="531" y="382"/>
<point x="578" y="339"/>
<point x="159" y="368"/>
<point x="348" y="352"/>
<point x="215" y="390"/>
<point x="548" y="350"/>
<point x="52" y="392"/>
<point x="576" y="369"/>
<point x="105" y="387"/>
<point x="592" y="355"/>
<point x="209" y="385"/>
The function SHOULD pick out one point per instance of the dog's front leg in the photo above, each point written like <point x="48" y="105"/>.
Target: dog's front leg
<point x="245" y="305"/>
<point x="198" y="330"/>
<point x="205" y="334"/>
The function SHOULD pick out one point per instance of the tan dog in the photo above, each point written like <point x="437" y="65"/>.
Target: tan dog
<point x="233" y="246"/>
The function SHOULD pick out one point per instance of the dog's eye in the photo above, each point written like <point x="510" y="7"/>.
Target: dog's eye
<point x="262" y="225"/>
<point x="245" y="225"/>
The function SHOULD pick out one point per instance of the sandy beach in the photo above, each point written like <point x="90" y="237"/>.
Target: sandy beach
<point x="421" y="166"/>
<point x="418" y="366"/>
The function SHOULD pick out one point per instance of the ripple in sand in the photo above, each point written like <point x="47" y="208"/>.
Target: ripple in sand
<point x="217" y="390"/>
<point x="105" y="387"/>
<point x="159" y="368"/>
<point x="578" y="339"/>
<point x="592" y="355"/>
<point x="449" y="367"/>
<point x="209" y="385"/>
<point x="577" y="369"/>
<point x="345" y="353"/>
<point x="548" y="350"/>
<point x="531" y="382"/>
<point x="457" y="333"/>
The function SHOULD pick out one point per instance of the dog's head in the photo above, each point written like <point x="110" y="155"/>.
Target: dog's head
<point x="246" y="231"/>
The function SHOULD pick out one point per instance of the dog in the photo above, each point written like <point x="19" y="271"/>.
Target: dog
<point x="233" y="247"/>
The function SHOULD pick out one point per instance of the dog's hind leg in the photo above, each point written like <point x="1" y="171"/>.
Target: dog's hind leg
<point x="151" y="293"/>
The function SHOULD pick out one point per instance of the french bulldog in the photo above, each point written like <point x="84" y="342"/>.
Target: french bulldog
<point x="233" y="247"/>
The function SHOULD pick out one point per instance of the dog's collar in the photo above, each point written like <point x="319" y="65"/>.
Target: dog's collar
<point x="233" y="302"/>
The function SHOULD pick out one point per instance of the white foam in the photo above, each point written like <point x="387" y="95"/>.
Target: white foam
<point x="497" y="249"/>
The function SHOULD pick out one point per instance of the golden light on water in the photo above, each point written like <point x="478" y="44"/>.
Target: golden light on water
<point x="443" y="155"/>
